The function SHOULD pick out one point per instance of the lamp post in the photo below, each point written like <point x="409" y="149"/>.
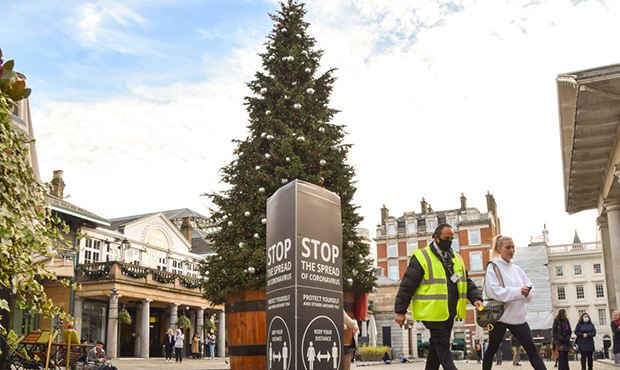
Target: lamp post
<point x="123" y="246"/>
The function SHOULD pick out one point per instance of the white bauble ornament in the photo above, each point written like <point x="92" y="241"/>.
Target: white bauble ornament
<point x="263" y="134"/>
<point x="284" y="59"/>
<point x="256" y="236"/>
<point x="263" y="221"/>
<point x="229" y="223"/>
<point x="308" y="70"/>
<point x="267" y="112"/>
<point x="322" y="162"/>
<point x="235" y="163"/>
<point x="301" y="138"/>
<point x="291" y="58"/>
<point x="321" y="129"/>
<point x="271" y="57"/>
<point x="297" y="106"/>
<point x="350" y="281"/>
<point x="257" y="168"/>
<point x="298" y="35"/>
<point x="251" y="270"/>
<point x="304" y="52"/>
<point x="241" y="244"/>
<point x="261" y="190"/>
<point x="267" y="155"/>
<point x="350" y="243"/>
<point x="284" y="30"/>
<point x="294" y="83"/>
<point x="225" y="217"/>
<point x="284" y="181"/>
<point x="269" y="137"/>
<point x="288" y="159"/>
<point x="263" y="90"/>
<point x="240" y="154"/>
<point x="247" y="213"/>
<point x="286" y="97"/>
<point x="354" y="273"/>
<point x="310" y="90"/>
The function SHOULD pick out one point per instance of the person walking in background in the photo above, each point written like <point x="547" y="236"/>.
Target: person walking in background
<point x="506" y="282"/>
<point x="499" y="357"/>
<point x="585" y="332"/>
<point x="479" y="352"/>
<point x="178" y="346"/>
<point x="196" y="346"/>
<point x="169" y="344"/>
<point x="615" y="329"/>
<point x="561" y="337"/>
<point x="211" y="344"/>
<point x="437" y="288"/>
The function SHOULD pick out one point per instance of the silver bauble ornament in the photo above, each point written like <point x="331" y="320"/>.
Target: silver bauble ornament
<point x="284" y="30"/>
<point x="297" y="106"/>
<point x="241" y="244"/>
<point x="298" y="35"/>
<point x="308" y="70"/>
<point x="263" y="90"/>
<point x="247" y="213"/>
<point x="263" y="221"/>
<point x="284" y="59"/>
<point x="288" y="159"/>
<point x="291" y="58"/>
<point x="229" y="223"/>
<point x="256" y="236"/>
<point x="267" y="155"/>
<point x="301" y="138"/>
<point x="269" y="137"/>
<point x="294" y="83"/>
<point x="263" y="134"/>
<point x="286" y="97"/>
<point x="310" y="90"/>
<point x="240" y="154"/>
<point x="251" y="270"/>
<point x="257" y="168"/>
<point x="225" y="217"/>
<point x="304" y="52"/>
<point x="321" y="129"/>
<point x="271" y="57"/>
<point x="322" y="162"/>
<point x="350" y="281"/>
<point x="261" y="190"/>
<point x="267" y="112"/>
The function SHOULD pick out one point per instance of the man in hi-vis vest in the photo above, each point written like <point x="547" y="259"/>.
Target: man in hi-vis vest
<point x="437" y="287"/>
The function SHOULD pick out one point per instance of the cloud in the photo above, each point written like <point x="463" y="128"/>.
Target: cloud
<point x="440" y="97"/>
<point x="110" y="26"/>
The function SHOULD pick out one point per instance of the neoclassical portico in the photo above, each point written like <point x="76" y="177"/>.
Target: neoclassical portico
<point x="589" y="108"/>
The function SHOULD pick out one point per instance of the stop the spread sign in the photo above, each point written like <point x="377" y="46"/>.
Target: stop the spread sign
<point x="304" y="278"/>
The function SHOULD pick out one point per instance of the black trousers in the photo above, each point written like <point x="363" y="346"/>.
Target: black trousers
<point x="178" y="352"/>
<point x="168" y="353"/>
<point x="523" y="333"/>
<point x="439" y="349"/>
<point x="586" y="356"/>
<point x="563" y="360"/>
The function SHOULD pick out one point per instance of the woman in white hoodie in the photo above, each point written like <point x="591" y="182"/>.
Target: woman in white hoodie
<point x="513" y="288"/>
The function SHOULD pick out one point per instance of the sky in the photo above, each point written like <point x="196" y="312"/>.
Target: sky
<point x="137" y="102"/>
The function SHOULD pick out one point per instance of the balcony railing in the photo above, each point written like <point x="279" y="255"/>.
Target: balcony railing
<point x="576" y="248"/>
<point x="114" y="270"/>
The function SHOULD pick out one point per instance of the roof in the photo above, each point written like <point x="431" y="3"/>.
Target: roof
<point x="62" y="206"/>
<point x="170" y="214"/>
<point x="441" y="216"/>
<point x="589" y="106"/>
<point x="200" y="242"/>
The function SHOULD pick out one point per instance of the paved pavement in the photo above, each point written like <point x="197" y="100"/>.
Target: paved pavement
<point x="219" y="364"/>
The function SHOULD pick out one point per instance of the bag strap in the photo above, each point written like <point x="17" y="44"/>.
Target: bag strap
<point x="498" y="274"/>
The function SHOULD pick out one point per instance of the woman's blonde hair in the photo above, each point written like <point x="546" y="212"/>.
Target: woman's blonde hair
<point x="497" y="245"/>
<point x="170" y="331"/>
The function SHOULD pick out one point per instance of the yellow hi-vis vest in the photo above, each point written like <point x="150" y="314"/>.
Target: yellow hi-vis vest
<point x="430" y="301"/>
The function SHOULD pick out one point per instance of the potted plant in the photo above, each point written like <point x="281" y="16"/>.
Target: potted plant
<point x="183" y="323"/>
<point x="124" y="317"/>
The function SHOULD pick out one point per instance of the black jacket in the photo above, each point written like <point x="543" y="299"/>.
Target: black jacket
<point x="559" y="338"/>
<point x="412" y="278"/>
<point x="169" y="341"/>
<point x="615" y="329"/>
<point x="585" y="344"/>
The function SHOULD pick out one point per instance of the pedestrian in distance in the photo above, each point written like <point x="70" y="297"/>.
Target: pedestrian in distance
<point x="478" y="353"/>
<point x="561" y="337"/>
<point x="507" y="283"/>
<point x="169" y="344"/>
<point x="437" y="288"/>
<point x="615" y="329"/>
<point x="178" y="346"/>
<point x="585" y="332"/>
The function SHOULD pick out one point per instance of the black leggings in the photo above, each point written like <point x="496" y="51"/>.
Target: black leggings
<point x="524" y="336"/>
<point x="168" y="353"/>
<point x="178" y="352"/>
<point x="586" y="356"/>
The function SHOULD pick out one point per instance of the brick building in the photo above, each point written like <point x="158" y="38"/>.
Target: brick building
<point x="398" y="237"/>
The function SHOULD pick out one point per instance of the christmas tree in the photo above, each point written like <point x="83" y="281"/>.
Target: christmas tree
<point x="290" y="137"/>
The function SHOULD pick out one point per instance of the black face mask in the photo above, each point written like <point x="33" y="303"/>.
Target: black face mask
<point x="445" y="245"/>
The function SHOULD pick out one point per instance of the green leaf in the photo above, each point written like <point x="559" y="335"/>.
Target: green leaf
<point x="8" y="66"/>
<point x="4" y="305"/>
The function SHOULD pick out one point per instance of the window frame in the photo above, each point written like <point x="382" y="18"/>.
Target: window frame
<point x="561" y="297"/>
<point x="469" y="237"/>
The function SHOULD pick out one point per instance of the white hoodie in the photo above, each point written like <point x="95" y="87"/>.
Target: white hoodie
<point x="514" y="280"/>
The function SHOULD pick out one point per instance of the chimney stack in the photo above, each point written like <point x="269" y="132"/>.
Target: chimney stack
<point x="424" y="206"/>
<point x="463" y="202"/>
<point x="491" y="205"/>
<point x="58" y="186"/>
<point x="384" y="214"/>
<point x="186" y="228"/>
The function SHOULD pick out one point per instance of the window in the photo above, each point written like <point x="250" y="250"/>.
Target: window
<point x="411" y="246"/>
<point x="456" y="246"/>
<point x="132" y="255"/>
<point x="92" y="251"/>
<point x="600" y="291"/>
<point x="559" y="271"/>
<point x="412" y="227"/>
<point x="577" y="269"/>
<point x="475" y="261"/>
<point x="393" y="272"/>
<point x="474" y="237"/>
<point x="581" y="312"/>
<point x="162" y="262"/>
<point x="561" y="293"/>
<point x="177" y="267"/>
<point x="391" y="229"/>
<point x="93" y="321"/>
<point x="602" y="316"/>
<point x="597" y="268"/>
<point x="431" y="224"/>
<point x="580" y="292"/>
<point x="392" y="250"/>
<point x="451" y="221"/>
